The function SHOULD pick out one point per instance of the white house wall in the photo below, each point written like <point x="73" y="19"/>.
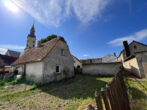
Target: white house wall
<point x="34" y="72"/>
<point x="132" y="66"/>
<point x="77" y="63"/>
<point x="104" y="69"/>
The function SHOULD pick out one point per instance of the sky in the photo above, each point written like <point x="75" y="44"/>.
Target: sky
<point x="92" y="28"/>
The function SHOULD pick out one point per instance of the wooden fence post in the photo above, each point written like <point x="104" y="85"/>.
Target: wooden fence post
<point x="112" y="102"/>
<point x="98" y="101"/>
<point x="124" y="88"/>
<point x="115" y="94"/>
<point x="106" y="102"/>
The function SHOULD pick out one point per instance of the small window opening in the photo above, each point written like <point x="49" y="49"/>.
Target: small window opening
<point x="78" y="66"/>
<point x="62" y="52"/>
<point x="135" y="47"/>
<point x="57" y="69"/>
<point x="90" y="61"/>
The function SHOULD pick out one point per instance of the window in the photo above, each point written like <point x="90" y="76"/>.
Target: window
<point x="135" y="47"/>
<point x="57" y="69"/>
<point x="62" y="52"/>
<point x="78" y="66"/>
<point x="90" y="61"/>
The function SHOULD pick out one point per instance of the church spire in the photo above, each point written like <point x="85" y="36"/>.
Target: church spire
<point x="31" y="39"/>
<point x="32" y="32"/>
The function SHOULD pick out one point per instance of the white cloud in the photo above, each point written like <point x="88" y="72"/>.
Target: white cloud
<point x="85" y="55"/>
<point x="138" y="36"/>
<point x="3" y="51"/>
<point x="4" y="48"/>
<point x="15" y="47"/>
<point x="54" y="12"/>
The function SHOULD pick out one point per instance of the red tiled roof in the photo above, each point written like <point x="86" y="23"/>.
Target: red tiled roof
<point x="37" y="53"/>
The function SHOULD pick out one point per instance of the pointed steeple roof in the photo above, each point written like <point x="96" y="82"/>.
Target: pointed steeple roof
<point x="32" y="32"/>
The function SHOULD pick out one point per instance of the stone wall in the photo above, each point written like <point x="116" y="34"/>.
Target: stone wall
<point x="104" y="69"/>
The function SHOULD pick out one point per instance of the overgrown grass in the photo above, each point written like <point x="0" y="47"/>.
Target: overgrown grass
<point x="137" y="90"/>
<point x="73" y="94"/>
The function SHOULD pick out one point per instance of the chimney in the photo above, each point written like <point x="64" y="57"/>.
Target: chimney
<point x="39" y="44"/>
<point x="114" y="54"/>
<point x="126" y="48"/>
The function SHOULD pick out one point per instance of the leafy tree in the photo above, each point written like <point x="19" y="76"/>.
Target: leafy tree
<point x="48" y="38"/>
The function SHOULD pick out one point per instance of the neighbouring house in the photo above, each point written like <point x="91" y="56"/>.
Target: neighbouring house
<point x="77" y="65"/>
<point x="134" y="58"/>
<point x="91" y="61"/>
<point x="49" y="61"/>
<point x="13" y="53"/>
<point x="5" y="62"/>
<point x="109" y="58"/>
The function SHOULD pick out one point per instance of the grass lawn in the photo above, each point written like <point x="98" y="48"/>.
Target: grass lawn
<point x="138" y="94"/>
<point x="73" y="94"/>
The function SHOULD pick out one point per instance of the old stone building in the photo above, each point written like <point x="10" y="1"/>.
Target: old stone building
<point x="12" y="53"/>
<point x="31" y="39"/>
<point x="49" y="61"/>
<point x="5" y="62"/>
<point x="77" y="63"/>
<point x="134" y="58"/>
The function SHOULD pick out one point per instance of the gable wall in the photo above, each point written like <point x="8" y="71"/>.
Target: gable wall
<point x="55" y="59"/>
<point x="77" y="63"/>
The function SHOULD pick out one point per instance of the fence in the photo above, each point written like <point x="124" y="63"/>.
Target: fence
<point x="114" y="95"/>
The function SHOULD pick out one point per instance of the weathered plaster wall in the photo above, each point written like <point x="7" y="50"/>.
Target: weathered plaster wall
<point x="145" y="68"/>
<point x="132" y="66"/>
<point x="105" y="69"/>
<point x="54" y="59"/>
<point x="34" y="72"/>
<point x="77" y="63"/>
<point x="135" y="65"/>
<point x="20" y="69"/>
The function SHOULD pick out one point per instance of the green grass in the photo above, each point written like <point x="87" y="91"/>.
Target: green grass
<point x="137" y="90"/>
<point x="73" y="94"/>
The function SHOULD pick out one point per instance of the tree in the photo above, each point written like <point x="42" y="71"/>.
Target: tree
<point x="48" y="38"/>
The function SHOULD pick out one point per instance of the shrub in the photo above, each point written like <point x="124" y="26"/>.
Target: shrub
<point x="34" y="87"/>
<point x="48" y="38"/>
<point x="13" y="82"/>
<point x="2" y="83"/>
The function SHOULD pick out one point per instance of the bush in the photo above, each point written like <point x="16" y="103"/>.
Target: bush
<point x="2" y="83"/>
<point x="34" y="87"/>
<point x="48" y="38"/>
<point x="13" y="82"/>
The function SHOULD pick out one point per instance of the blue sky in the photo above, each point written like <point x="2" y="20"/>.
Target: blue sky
<point x="92" y="28"/>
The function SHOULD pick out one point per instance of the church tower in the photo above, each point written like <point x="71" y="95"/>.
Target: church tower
<point x="31" y="39"/>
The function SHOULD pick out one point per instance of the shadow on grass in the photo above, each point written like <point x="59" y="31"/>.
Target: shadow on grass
<point x="80" y="86"/>
<point x="137" y="94"/>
